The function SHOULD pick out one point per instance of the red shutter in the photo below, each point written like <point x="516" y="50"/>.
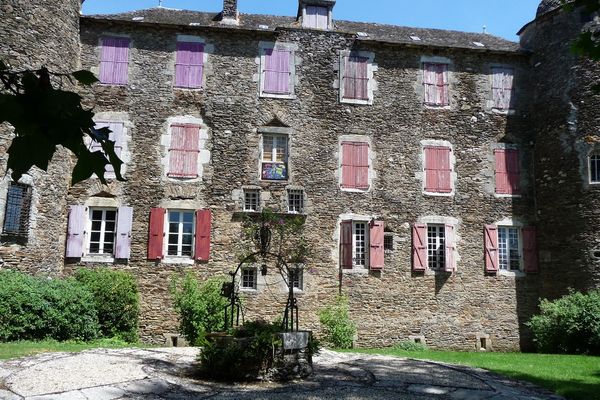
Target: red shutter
<point x="419" y="247"/>
<point x="203" y="225"/>
<point x="183" y="152"/>
<point x="156" y="233"/>
<point x="361" y="165"/>
<point x="491" y="248"/>
<point x="431" y="176"/>
<point x="348" y="172"/>
<point x="376" y="254"/>
<point x="502" y="186"/>
<point x="346" y="244"/>
<point x="530" y="251"/>
<point x="450" y="241"/>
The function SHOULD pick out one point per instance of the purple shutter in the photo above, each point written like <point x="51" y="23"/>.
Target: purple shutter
<point x="76" y="231"/>
<point x="419" y="247"/>
<point x="124" y="224"/>
<point x="183" y="152"/>
<point x="156" y="233"/>
<point x="348" y="170"/>
<point x="346" y="244"/>
<point x="376" y="251"/>
<point x="189" y="65"/>
<point x="450" y="241"/>
<point x="114" y="61"/>
<point x="203" y="226"/>
<point x="530" y="251"/>
<point x="490" y="240"/>
<point x="277" y="71"/>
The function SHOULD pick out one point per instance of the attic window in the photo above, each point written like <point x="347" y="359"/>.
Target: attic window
<point x="415" y="38"/>
<point x="362" y="34"/>
<point x="316" y="17"/>
<point x="137" y="18"/>
<point x="479" y="44"/>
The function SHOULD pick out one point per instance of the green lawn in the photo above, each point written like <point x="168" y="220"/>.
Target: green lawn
<point x="26" y="348"/>
<point x="574" y="377"/>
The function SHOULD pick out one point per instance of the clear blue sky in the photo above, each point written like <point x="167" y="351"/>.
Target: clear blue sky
<point x="501" y="17"/>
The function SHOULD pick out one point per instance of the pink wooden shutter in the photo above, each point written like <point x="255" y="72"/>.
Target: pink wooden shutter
<point x="530" y="251"/>
<point x="512" y="170"/>
<point x="431" y="169"/>
<point x="277" y="71"/>
<point x="491" y="248"/>
<point x="156" y="233"/>
<point x="76" y="231"/>
<point x="183" y="153"/>
<point x="445" y="170"/>
<point x="346" y="244"/>
<point x="442" y="96"/>
<point x="429" y="82"/>
<point x="502" y="185"/>
<point x="123" y="241"/>
<point x="376" y="254"/>
<point x="361" y="165"/>
<point x="349" y="78"/>
<point x="356" y="78"/>
<point x="450" y="241"/>
<point x="348" y="170"/>
<point x="507" y="87"/>
<point x="114" y="60"/>
<point x="419" y="247"/>
<point x="203" y="226"/>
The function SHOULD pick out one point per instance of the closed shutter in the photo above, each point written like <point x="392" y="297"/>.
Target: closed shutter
<point x="116" y="135"/>
<point x="123" y="240"/>
<point x="438" y="170"/>
<point x="356" y="78"/>
<point x="376" y="251"/>
<point x="442" y="95"/>
<point x="361" y="165"/>
<point x="189" y="65"/>
<point x="491" y="248"/>
<point x="450" y="241"/>
<point x="277" y="71"/>
<point x="203" y="227"/>
<point x="435" y="81"/>
<point x="530" y="251"/>
<point x="346" y="244"/>
<point x="419" y="247"/>
<point x="502" y="87"/>
<point x="156" y="233"/>
<point x="316" y="17"/>
<point x="429" y="82"/>
<point x="114" y="59"/>
<point x="348" y="170"/>
<point x="76" y="231"/>
<point x="508" y="174"/>
<point x="183" y="152"/>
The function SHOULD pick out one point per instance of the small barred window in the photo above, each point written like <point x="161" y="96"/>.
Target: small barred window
<point x="16" y="215"/>
<point x="251" y="200"/>
<point x="388" y="242"/>
<point x="296" y="201"/>
<point x="249" y="276"/>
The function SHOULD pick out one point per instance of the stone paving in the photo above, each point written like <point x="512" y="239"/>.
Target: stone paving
<point x="168" y="374"/>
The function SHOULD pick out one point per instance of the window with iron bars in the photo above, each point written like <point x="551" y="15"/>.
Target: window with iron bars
<point x="436" y="253"/>
<point x="16" y="215"/>
<point x="296" y="201"/>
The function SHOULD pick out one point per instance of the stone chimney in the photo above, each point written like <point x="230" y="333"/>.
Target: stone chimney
<point x="230" y="12"/>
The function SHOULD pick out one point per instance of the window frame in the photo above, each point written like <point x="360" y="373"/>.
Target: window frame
<point x="295" y="195"/>
<point x="200" y="41"/>
<point x="88" y="237"/>
<point x="439" y="236"/>
<point x="590" y="157"/>
<point x="277" y="46"/>
<point x="167" y="233"/>
<point x="242" y="281"/>
<point x="446" y="84"/>
<point x="21" y="235"/>
<point x="365" y="243"/>
<point x="371" y="83"/>
<point x="247" y="193"/>
<point x="274" y="154"/>
<point x="501" y="227"/>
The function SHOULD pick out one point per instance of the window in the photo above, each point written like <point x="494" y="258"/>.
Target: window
<point x="507" y="171"/>
<point x="436" y="248"/>
<point x="116" y="135"/>
<point x="189" y="65"/>
<point x="249" y="278"/>
<point x="114" y="60"/>
<point x="251" y="200"/>
<point x="509" y="248"/>
<point x="595" y="168"/>
<point x="316" y="17"/>
<point x="183" y="151"/>
<point x="277" y="72"/>
<point x="438" y="169"/>
<point x="388" y="242"/>
<point x="298" y="279"/>
<point x="436" y="84"/>
<point x="274" y="157"/>
<point x="355" y="165"/>
<point x="361" y="244"/>
<point x="295" y="201"/>
<point x="16" y="215"/>
<point x="103" y="224"/>
<point x="502" y="87"/>
<point x="354" y="77"/>
<point x="180" y="234"/>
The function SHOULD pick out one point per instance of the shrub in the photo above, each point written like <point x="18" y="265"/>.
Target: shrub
<point x="409" y="345"/>
<point x="116" y="299"/>
<point x="339" y="329"/>
<point x="201" y="307"/>
<point x="570" y="324"/>
<point x="34" y="308"/>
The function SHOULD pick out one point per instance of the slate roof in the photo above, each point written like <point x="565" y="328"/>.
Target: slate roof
<point x="547" y="6"/>
<point x="375" y="32"/>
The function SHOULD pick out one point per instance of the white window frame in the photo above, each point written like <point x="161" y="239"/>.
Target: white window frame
<point x="593" y="154"/>
<point x="179" y="256"/>
<point x="277" y="137"/>
<point x="439" y="239"/>
<point x="365" y="243"/>
<point x="371" y="68"/>
<point x="88" y="239"/>
<point x="295" y="196"/>
<point x="441" y="221"/>
<point x="263" y="47"/>
<point x="254" y="287"/>
<point x="247" y="194"/>
<point x="508" y="249"/>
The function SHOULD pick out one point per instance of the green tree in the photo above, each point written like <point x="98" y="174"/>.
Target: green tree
<point x="45" y="117"/>
<point x="588" y="42"/>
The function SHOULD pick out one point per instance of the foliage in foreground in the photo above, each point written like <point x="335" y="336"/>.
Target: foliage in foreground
<point x="116" y="298"/>
<point x="201" y="307"/>
<point x="338" y="329"/>
<point x="570" y="324"/>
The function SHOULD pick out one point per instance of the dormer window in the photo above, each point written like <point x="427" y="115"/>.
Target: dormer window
<point x="316" y="17"/>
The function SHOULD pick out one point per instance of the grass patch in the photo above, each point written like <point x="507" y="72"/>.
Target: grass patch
<point x="575" y="377"/>
<point x="24" y="348"/>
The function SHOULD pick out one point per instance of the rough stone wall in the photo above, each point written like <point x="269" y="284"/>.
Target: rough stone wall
<point x="35" y="34"/>
<point x="390" y="305"/>
<point x="565" y="122"/>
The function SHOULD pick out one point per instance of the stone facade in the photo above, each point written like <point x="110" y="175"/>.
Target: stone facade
<point x="446" y="309"/>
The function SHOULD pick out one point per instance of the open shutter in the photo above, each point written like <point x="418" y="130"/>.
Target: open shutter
<point x="346" y="244"/>
<point x="183" y="152"/>
<point x="419" y="247"/>
<point x="348" y="171"/>
<point x="376" y="254"/>
<point x="203" y="226"/>
<point x="530" y="251"/>
<point x="76" y="231"/>
<point x="156" y="233"/>
<point x="450" y="241"/>
<point x="361" y="165"/>
<point x="123" y="241"/>
<point x="491" y="248"/>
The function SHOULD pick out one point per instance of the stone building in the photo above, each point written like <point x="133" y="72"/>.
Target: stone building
<point x="448" y="180"/>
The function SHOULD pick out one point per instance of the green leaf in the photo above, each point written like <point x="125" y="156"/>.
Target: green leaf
<point x="85" y="77"/>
